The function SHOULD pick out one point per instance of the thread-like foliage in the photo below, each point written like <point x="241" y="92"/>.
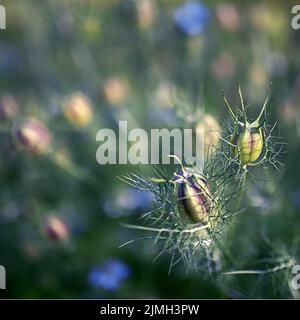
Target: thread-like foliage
<point x="199" y="245"/>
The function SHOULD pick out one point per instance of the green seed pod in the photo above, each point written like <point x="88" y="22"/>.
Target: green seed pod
<point x="194" y="196"/>
<point x="249" y="139"/>
<point x="249" y="144"/>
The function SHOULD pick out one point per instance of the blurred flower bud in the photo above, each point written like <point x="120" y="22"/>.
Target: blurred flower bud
<point x="228" y="16"/>
<point x="223" y="66"/>
<point x="164" y="94"/>
<point x="212" y="132"/>
<point x="33" y="136"/>
<point x="62" y="156"/>
<point x="77" y="109"/>
<point x="91" y="28"/>
<point x="8" y="107"/>
<point x="258" y="75"/>
<point x="259" y="79"/>
<point x="146" y="12"/>
<point x="115" y="90"/>
<point x="55" y="228"/>
<point x="273" y="22"/>
<point x="288" y="112"/>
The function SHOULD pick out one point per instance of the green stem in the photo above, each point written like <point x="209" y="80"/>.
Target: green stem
<point x="243" y="185"/>
<point x="290" y="263"/>
<point x="191" y="230"/>
<point x="76" y="172"/>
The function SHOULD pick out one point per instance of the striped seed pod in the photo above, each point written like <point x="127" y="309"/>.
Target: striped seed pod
<point x="249" y="144"/>
<point x="194" y="195"/>
<point x="249" y="138"/>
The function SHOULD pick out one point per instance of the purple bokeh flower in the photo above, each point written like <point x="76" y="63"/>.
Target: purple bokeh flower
<point x="192" y="18"/>
<point x="109" y="275"/>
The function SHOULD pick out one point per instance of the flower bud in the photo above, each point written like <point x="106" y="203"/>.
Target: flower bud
<point x="33" y="136"/>
<point x="211" y="134"/>
<point x="55" y="229"/>
<point x="91" y="28"/>
<point x="249" y="144"/>
<point x="223" y="66"/>
<point x="194" y="196"/>
<point x="8" y="107"/>
<point x="115" y="91"/>
<point x="228" y="16"/>
<point x="146" y="13"/>
<point x="248" y="140"/>
<point x="77" y="109"/>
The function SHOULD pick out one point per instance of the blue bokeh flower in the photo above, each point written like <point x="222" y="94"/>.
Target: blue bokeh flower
<point x="192" y="18"/>
<point x="127" y="201"/>
<point x="296" y="198"/>
<point x="109" y="275"/>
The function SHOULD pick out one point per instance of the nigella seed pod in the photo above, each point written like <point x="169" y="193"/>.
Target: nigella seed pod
<point x="33" y="136"/>
<point x="248" y="140"/>
<point x="249" y="144"/>
<point x="194" y="196"/>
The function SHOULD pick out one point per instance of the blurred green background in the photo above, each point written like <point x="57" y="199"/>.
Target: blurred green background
<point x="78" y="66"/>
